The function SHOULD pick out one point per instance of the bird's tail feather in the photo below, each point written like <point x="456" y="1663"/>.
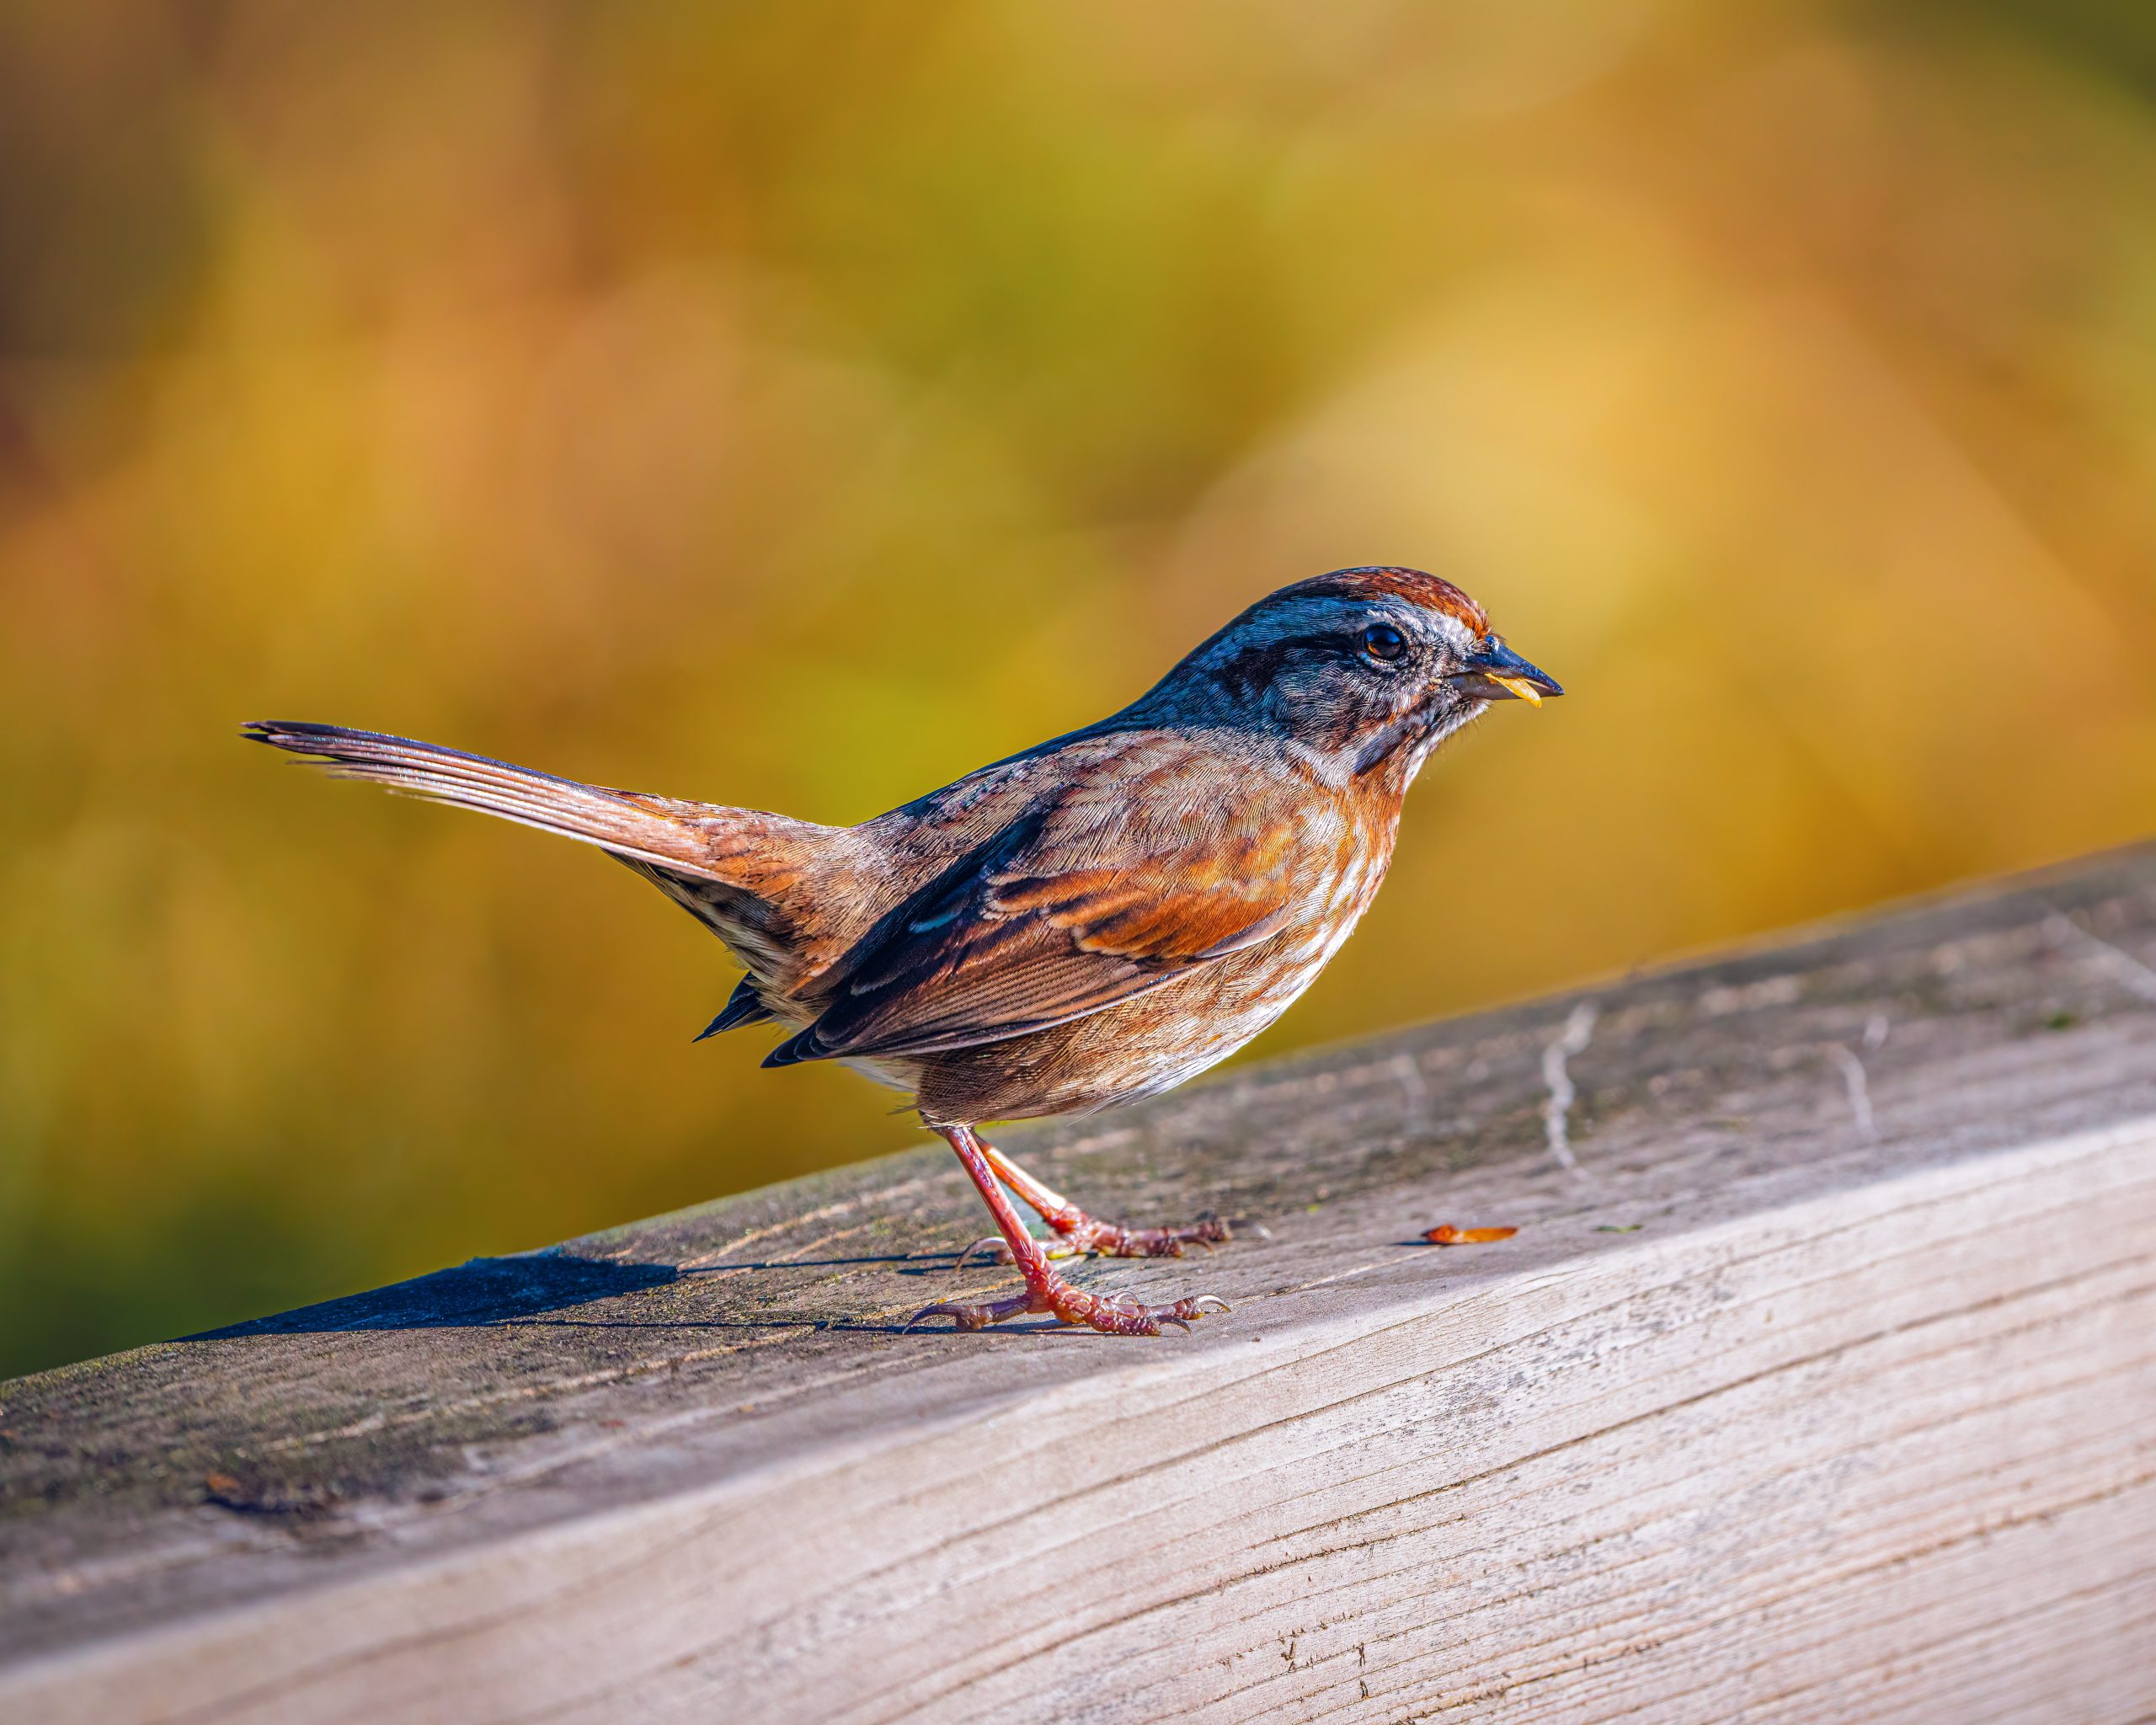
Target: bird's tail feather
<point x="649" y="829"/>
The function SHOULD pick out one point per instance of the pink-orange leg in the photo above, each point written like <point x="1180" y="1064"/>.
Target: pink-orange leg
<point x="1078" y="1233"/>
<point x="1045" y="1290"/>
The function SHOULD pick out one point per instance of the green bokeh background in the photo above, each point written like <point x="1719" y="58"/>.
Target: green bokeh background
<point x="796" y="404"/>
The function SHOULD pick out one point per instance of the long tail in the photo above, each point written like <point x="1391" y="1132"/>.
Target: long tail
<point x="758" y="881"/>
<point x="648" y="829"/>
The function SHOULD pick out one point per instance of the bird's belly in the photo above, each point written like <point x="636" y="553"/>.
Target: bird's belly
<point x="1200" y="1020"/>
<point x="1147" y="1060"/>
<point x="1153" y="1041"/>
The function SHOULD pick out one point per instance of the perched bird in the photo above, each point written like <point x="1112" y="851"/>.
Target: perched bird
<point x="1086" y="923"/>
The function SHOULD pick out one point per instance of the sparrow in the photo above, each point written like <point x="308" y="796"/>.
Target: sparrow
<point x="1072" y="928"/>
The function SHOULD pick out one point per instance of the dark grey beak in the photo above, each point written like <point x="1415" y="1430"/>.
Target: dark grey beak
<point x="1494" y="672"/>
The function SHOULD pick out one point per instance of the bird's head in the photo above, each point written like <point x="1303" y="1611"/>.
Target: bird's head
<point x="1364" y="669"/>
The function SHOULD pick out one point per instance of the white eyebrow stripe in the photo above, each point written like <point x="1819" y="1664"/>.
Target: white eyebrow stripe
<point x="1454" y="630"/>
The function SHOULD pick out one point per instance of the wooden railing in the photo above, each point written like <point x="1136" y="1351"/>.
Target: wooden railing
<point x="1819" y="1383"/>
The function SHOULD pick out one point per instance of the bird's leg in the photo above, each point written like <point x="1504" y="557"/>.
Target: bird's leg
<point x="1046" y="1290"/>
<point x="1077" y="1233"/>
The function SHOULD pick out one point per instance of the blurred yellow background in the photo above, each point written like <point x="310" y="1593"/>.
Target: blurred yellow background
<point x="796" y="405"/>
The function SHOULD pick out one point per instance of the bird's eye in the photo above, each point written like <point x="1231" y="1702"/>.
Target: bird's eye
<point x="1383" y="642"/>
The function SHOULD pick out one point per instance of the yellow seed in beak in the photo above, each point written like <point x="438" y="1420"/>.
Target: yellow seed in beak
<point x="1520" y="686"/>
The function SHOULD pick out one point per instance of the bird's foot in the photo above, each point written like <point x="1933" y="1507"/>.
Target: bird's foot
<point x="1073" y="1305"/>
<point x="1078" y="1235"/>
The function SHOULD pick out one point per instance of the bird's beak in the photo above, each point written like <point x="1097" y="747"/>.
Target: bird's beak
<point x="1494" y="672"/>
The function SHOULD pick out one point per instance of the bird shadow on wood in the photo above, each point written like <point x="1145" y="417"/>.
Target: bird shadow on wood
<point x="486" y="1290"/>
<point x="835" y="1325"/>
<point x="903" y="1261"/>
<point x="528" y="1289"/>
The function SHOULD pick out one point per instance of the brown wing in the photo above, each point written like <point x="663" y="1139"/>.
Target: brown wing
<point x="1089" y="899"/>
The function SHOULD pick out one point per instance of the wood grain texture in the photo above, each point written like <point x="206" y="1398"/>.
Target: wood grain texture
<point x="1821" y="1386"/>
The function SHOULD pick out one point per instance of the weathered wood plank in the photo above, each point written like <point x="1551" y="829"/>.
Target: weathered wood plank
<point x="1856" y="1420"/>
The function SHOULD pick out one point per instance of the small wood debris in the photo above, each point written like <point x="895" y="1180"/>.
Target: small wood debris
<point x="1444" y="1234"/>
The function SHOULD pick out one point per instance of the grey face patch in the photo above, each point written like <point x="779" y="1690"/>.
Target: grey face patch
<point x="1298" y="666"/>
<point x="1276" y="634"/>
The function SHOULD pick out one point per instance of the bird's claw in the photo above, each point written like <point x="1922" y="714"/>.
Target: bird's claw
<point x="995" y="1244"/>
<point x="1078" y="1235"/>
<point x="1075" y="1306"/>
<point x="963" y="1318"/>
<point x="1183" y="1311"/>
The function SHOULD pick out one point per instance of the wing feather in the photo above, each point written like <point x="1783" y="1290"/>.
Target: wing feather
<point x="1084" y="902"/>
